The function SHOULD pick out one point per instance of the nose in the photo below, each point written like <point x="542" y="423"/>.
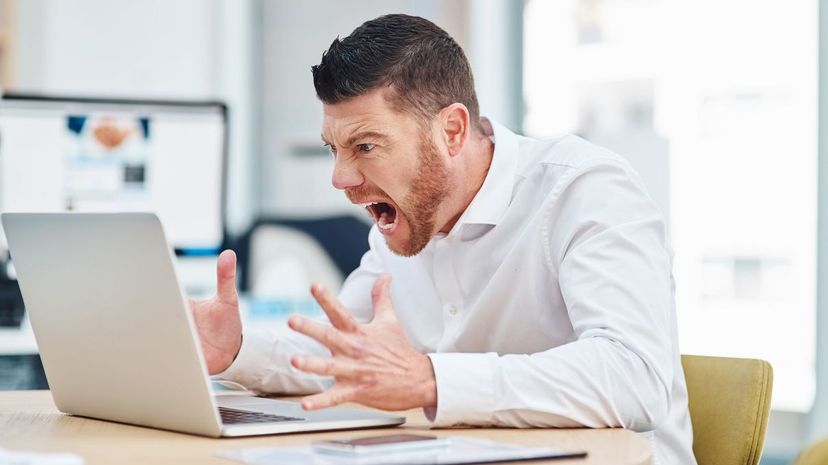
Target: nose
<point x="346" y="175"/>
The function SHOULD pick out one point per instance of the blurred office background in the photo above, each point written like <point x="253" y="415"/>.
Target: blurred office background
<point x="716" y="103"/>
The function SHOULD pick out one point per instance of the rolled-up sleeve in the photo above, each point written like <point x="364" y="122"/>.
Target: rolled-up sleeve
<point x="263" y="363"/>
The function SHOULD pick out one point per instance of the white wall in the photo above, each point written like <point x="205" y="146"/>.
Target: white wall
<point x="819" y="413"/>
<point x="116" y="47"/>
<point x="496" y="55"/>
<point x="294" y="36"/>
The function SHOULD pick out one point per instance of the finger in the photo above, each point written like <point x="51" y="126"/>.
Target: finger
<point x="333" y="396"/>
<point x="326" y="366"/>
<point x="339" y="316"/>
<point x="381" y="295"/>
<point x="327" y="335"/>
<point x="226" y="278"/>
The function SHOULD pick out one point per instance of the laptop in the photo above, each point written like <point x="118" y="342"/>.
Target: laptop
<point x="117" y="340"/>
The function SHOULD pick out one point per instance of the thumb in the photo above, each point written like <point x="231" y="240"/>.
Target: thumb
<point x="226" y="278"/>
<point x="381" y="296"/>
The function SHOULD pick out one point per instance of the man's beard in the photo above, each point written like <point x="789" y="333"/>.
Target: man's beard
<point x="428" y="189"/>
<point x="421" y="204"/>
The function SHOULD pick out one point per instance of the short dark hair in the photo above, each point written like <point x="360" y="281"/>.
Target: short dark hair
<point x="425" y="69"/>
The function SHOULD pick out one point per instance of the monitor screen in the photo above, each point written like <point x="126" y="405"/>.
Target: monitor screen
<point x="103" y="155"/>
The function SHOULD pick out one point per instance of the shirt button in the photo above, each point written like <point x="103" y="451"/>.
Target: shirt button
<point x="452" y="310"/>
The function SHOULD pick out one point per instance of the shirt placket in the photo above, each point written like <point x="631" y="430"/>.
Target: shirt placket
<point x="449" y="290"/>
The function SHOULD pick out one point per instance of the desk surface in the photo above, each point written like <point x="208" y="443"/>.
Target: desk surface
<point x="29" y="421"/>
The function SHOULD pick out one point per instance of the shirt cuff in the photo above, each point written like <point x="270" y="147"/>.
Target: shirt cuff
<point x="252" y="359"/>
<point x="465" y="389"/>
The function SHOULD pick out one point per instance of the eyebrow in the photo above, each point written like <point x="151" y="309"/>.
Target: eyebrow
<point x="360" y="135"/>
<point x="365" y="134"/>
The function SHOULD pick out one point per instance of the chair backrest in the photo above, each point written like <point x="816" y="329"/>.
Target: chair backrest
<point x="343" y="238"/>
<point x="729" y="400"/>
<point x="815" y="454"/>
<point x="283" y="262"/>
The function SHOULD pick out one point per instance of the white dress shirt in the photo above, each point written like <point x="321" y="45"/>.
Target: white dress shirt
<point x="549" y="304"/>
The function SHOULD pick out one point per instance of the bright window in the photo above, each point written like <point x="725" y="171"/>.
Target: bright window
<point x="714" y="103"/>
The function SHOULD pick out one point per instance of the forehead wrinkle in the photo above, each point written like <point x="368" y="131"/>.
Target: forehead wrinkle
<point x="352" y="131"/>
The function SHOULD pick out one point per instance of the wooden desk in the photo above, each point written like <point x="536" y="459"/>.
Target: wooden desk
<point x="29" y="421"/>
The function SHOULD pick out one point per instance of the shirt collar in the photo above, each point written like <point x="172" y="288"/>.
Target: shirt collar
<point x="490" y="203"/>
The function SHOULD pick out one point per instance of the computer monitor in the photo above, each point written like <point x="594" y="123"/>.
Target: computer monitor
<point x="107" y="155"/>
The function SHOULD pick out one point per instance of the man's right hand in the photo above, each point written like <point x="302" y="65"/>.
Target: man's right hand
<point x="217" y="320"/>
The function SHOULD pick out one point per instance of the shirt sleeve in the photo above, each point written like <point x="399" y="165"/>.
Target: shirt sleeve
<point x="263" y="363"/>
<point x="605" y="247"/>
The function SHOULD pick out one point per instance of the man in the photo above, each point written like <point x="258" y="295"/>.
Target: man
<point x="531" y="279"/>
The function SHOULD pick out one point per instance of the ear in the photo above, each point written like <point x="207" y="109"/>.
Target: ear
<point x="455" y="127"/>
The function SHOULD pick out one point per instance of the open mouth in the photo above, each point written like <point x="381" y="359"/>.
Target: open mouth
<point x="383" y="213"/>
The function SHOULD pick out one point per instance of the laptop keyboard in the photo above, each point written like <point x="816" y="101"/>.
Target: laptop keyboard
<point x="231" y="416"/>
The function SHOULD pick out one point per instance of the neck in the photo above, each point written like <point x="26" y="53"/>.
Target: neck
<point x="477" y="160"/>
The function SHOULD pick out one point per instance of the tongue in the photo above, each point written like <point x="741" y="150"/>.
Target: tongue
<point x="386" y="220"/>
<point x="387" y="216"/>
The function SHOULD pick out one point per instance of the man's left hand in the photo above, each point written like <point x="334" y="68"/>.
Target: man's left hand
<point x="372" y="364"/>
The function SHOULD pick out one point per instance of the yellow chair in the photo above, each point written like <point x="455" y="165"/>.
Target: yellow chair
<point x="729" y="404"/>
<point x="816" y="454"/>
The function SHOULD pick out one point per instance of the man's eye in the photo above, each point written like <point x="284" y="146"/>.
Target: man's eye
<point x="365" y="147"/>
<point x="331" y="148"/>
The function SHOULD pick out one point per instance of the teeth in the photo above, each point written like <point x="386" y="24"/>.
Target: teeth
<point x="382" y="222"/>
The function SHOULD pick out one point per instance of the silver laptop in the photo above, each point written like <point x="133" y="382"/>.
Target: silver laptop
<point x="117" y="340"/>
